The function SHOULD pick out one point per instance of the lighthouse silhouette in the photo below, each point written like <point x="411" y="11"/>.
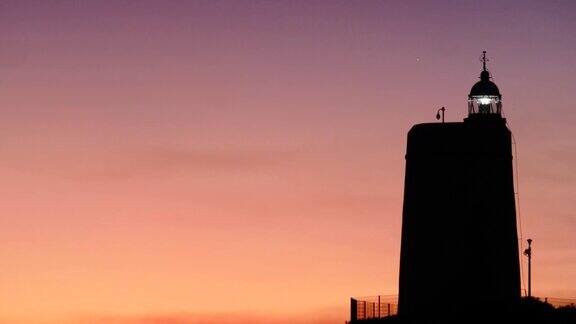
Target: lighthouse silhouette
<point x="459" y="256"/>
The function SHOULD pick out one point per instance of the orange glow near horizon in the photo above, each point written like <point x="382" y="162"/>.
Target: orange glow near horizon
<point x="218" y="162"/>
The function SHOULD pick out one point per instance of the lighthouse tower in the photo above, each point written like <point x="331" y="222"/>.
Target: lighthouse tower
<point x="459" y="254"/>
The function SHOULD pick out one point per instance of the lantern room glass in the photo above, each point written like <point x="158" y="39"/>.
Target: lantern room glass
<point x="484" y="104"/>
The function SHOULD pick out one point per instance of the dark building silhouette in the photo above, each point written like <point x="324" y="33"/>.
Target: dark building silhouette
<point x="459" y="254"/>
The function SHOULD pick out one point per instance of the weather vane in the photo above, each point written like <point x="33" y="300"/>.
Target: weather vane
<point x="483" y="59"/>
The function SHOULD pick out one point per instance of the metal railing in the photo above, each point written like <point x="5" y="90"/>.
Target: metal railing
<point x="559" y="302"/>
<point x="373" y="307"/>
<point x="362" y="308"/>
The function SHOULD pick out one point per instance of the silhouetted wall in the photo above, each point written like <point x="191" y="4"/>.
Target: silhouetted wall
<point x="459" y="251"/>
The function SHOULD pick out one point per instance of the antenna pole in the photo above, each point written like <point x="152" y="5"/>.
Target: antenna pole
<point x="484" y="60"/>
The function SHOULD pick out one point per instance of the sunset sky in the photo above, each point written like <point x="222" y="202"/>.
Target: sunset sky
<point x="243" y="161"/>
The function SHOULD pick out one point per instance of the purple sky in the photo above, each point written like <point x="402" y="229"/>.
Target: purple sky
<point x="198" y="157"/>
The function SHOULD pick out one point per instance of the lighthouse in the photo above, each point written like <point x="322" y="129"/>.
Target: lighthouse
<point x="459" y="253"/>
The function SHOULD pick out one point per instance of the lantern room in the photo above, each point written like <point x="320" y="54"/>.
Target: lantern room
<point x="484" y="97"/>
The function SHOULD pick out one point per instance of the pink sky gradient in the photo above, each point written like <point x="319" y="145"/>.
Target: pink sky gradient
<point x="243" y="161"/>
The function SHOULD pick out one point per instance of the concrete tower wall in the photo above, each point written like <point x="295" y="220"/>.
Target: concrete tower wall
<point x="459" y="251"/>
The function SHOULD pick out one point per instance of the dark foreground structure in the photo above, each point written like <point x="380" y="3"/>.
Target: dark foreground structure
<point x="459" y="239"/>
<point x="459" y="260"/>
<point x="530" y="311"/>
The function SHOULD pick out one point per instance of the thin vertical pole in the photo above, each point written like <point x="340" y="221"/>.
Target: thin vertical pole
<point x="379" y="306"/>
<point x="529" y="267"/>
<point x="388" y="309"/>
<point x="353" y="310"/>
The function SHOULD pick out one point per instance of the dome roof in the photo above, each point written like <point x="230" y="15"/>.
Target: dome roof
<point x="484" y="87"/>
